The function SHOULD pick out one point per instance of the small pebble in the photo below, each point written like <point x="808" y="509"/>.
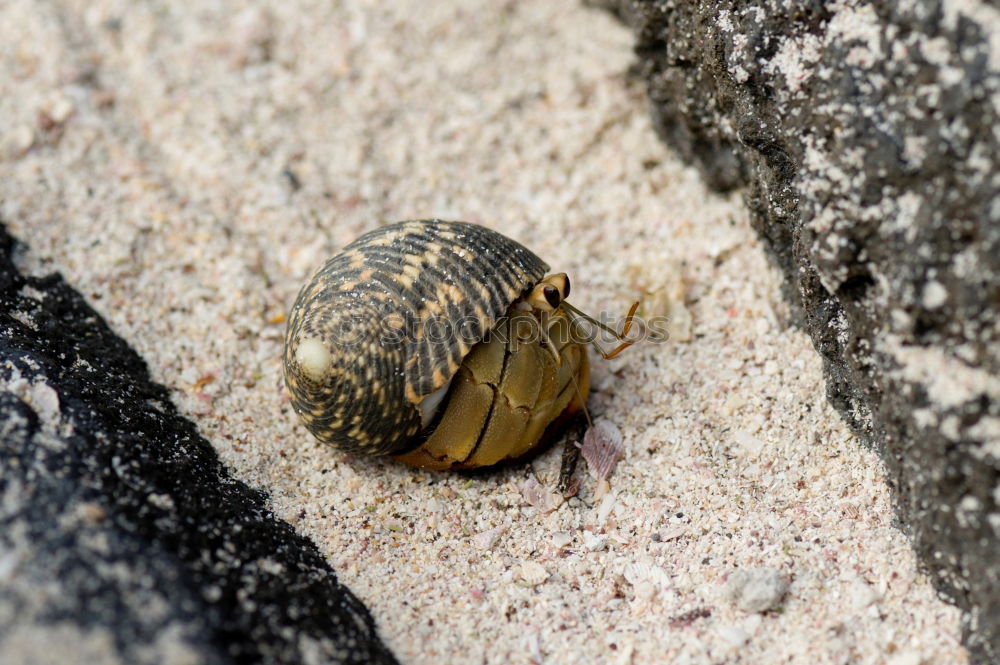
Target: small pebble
<point x="542" y="498"/>
<point x="602" y="489"/>
<point x="756" y="589"/>
<point x="604" y="510"/>
<point x="562" y="538"/>
<point x="644" y="590"/>
<point x="45" y="400"/>
<point x="593" y="541"/>
<point x="907" y="658"/>
<point x="532" y="573"/>
<point x="59" y="109"/>
<point x="486" y="539"/>
<point x="20" y="140"/>
<point x="637" y="572"/>
<point x="666" y="535"/>
<point x="733" y="635"/>
<point x="751" y="624"/>
<point x="751" y="444"/>
<point x="862" y="594"/>
<point x="934" y="295"/>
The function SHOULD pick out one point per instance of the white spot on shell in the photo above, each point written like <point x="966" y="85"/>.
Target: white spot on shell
<point x="313" y="359"/>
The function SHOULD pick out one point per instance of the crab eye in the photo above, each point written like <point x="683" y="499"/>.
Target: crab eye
<point x="552" y="296"/>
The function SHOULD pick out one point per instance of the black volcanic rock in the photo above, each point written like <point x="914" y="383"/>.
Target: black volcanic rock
<point x="122" y="538"/>
<point x="868" y="135"/>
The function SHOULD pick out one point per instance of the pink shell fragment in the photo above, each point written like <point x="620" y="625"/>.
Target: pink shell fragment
<point x="602" y="448"/>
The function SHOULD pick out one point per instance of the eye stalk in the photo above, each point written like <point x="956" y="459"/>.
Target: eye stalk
<point x="549" y="293"/>
<point x="560" y="281"/>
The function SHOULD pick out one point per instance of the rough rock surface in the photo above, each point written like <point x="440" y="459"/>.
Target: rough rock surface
<point x="867" y="133"/>
<point x="122" y="539"/>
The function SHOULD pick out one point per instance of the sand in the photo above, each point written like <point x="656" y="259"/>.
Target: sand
<point x="188" y="169"/>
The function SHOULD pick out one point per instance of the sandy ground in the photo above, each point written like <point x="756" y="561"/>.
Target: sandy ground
<point x="188" y="169"/>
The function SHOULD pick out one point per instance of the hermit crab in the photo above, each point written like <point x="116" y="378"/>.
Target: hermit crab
<point x="443" y="344"/>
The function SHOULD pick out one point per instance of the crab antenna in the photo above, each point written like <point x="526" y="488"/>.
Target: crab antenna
<point x="588" y="317"/>
<point x="620" y="336"/>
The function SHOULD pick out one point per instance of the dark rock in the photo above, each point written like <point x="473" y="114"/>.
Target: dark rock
<point x="122" y="538"/>
<point x="867" y="136"/>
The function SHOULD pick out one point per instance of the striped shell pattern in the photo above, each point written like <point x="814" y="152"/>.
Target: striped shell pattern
<point x="387" y="322"/>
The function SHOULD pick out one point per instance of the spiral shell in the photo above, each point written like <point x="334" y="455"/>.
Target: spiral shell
<point x="385" y="325"/>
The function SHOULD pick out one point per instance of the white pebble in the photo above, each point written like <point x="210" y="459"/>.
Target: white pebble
<point x="733" y="635"/>
<point x="46" y="402"/>
<point x="906" y="658"/>
<point x="60" y="109"/>
<point x="604" y="510"/>
<point x="593" y="541"/>
<point x="486" y="539"/>
<point x="751" y="624"/>
<point x="20" y="141"/>
<point x="645" y="590"/>
<point x="539" y="496"/>
<point x="862" y="594"/>
<point x="935" y="295"/>
<point x="562" y="538"/>
<point x="756" y="589"/>
<point x="532" y="573"/>
<point x="751" y="444"/>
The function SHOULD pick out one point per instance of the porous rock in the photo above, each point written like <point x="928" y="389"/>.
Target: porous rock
<point x="122" y="538"/>
<point x="865" y="133"/>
